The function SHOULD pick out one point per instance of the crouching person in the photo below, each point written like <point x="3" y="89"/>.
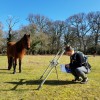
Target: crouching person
<point x="78" y="65"/>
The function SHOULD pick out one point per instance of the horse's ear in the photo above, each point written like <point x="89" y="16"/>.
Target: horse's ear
<point x="24" y="34"/>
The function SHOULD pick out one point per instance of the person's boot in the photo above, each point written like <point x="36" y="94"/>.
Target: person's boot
<point x="84" y="81"/>
<point x="77" y="79"/>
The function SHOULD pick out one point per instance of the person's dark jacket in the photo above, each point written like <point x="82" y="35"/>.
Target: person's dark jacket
<point x="76" y="60"/>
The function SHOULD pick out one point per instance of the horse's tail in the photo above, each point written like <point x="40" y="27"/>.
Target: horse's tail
<point x="10" y="62"/>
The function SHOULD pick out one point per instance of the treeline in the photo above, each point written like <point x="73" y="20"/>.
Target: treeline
<point x="81" y="31"/>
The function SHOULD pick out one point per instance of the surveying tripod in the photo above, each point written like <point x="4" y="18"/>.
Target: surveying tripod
<point x="53" y="64"/>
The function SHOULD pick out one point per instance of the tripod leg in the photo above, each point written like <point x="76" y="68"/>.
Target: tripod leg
<point x="50" y="69"/>
<point x="45" y="71"/>
<point x="56" y="72"/>
<point x="45" y="78"/>
<point x="50" y="64"/>
<point x="56" y="54"/>
<point x="61" y="55"/>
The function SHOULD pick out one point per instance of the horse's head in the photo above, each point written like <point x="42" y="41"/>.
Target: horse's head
<point x="27" y="41"/>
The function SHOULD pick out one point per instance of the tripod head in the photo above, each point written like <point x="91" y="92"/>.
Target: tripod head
<point x="55" y="60"/>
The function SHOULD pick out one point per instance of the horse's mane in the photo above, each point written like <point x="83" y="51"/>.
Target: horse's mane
<point x="10" y="43"/>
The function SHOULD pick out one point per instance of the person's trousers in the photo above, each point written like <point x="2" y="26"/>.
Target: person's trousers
<point x="80" y="72"/>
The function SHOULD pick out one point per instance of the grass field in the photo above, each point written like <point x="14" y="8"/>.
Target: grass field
<point x="22" y="86"/>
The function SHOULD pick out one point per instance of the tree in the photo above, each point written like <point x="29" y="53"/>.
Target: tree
<point x="11" y="22"/>
<point x="40" y="22"/>
<point x="81" y="24"/>
<point x="1" y="38"/>
<point x="69" y="35"/>
<point x="56" y="34"/>
<point x="1" y="29"/>
<point x="94" y="20"/>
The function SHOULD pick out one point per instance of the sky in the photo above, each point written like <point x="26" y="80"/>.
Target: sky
<point x="53" y="9"/>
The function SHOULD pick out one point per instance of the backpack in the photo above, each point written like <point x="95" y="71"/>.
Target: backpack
<point x="85" y="63"/>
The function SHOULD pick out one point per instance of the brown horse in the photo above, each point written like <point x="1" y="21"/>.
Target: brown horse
<point x="16" y="50"/>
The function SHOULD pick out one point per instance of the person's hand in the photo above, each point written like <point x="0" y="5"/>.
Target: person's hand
<point x="67" y="65"/>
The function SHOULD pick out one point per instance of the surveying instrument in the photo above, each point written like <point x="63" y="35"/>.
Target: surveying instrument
<point x="53" y="64"/>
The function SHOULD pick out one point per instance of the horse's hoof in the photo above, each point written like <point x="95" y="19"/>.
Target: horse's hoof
<point x="19" y="71"/>
<point x="14" y="72"/>
<point x="9" y="68"/>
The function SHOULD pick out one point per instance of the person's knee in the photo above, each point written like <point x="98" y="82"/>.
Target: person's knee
<point x="80" y="72"/>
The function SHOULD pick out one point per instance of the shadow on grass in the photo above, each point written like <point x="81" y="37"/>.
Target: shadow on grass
<point x="38" y="82"/>
<point x="3" y="69"/>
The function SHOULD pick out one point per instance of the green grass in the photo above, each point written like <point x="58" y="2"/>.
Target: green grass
<point x="22" y="86"/>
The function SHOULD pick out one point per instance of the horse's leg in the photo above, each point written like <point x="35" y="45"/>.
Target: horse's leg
<point x="13" y="62"/>
<point x="14" y="65"/>
<point x="20" y="65"/>
<point x="8" y="64"/>
<point x="10" y="61"/>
